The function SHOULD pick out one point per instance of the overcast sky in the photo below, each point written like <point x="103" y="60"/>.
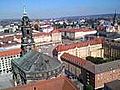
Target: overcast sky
<point x="57" y="8"/>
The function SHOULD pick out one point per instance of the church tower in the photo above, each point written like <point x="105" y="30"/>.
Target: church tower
<point x="114" y="19"/>
<point x="27" y="41"/>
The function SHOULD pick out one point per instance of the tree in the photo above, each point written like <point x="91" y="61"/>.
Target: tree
<point x="96" y="60"/>
<point x="89" y="87"/>
<point x="64" y="25"/>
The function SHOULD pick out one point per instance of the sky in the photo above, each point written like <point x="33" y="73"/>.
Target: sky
<point x="57" y="8"/>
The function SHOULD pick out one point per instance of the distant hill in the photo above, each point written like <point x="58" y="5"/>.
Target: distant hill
<point x="69" y="17"/>
<point x="90" y="16"/>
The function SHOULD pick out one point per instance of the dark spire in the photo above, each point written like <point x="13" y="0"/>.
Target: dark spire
<point x="114" y="18"/>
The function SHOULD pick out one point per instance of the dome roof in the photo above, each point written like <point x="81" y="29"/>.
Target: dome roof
<point x="36" y="62"/>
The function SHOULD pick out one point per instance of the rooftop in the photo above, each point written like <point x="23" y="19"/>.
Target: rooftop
<point x="77" y="30"/>
<point x="78" y="61"/>
<point x="94" y="68"/>
<point x="36" y="62"/>
<point x="114" y="85"/>
<point x="109" y="35"/>
<point x="60" y="83"/>
<point x="64" y="47"/>
<point x="10" y="52"/>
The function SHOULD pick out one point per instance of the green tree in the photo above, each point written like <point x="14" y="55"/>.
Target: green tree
<point x="89" y="87"/>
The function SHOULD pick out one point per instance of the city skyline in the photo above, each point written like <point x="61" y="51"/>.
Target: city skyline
<point x="57" y="8"/>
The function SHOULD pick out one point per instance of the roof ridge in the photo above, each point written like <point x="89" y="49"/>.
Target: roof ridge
<point x="64" y="47"/>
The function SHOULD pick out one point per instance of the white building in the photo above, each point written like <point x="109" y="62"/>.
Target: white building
<point x="42" y="38"/>
<point x="77" y="33"/>
<point x="5" y="59"/>
<point x="1" y="29"/>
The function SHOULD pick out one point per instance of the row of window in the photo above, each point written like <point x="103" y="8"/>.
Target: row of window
<point x="9" y="57"/>
<point x="5" y="70"/>
<point x="73" y="69"/>
<point x="5" y="63"/>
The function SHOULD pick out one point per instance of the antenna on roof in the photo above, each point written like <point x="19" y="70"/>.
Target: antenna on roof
<point x="24" y="9"/>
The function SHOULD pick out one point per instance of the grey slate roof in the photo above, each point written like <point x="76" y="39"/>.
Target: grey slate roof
<point x="107" y="66"/>
<point x="36" y="62"/>
<point x="114" y="85"/>
<point x="104" y="67"/>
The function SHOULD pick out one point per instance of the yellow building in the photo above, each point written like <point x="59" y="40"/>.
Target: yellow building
<point x="82" y="49"/>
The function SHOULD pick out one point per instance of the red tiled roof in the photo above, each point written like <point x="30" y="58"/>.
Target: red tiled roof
<point x="60" y="83"/>
<point x="76" y="30"/>
<point x="73" y="59"/>
<point x="62" y="47"/>
<point x="18" y="36"/>
<point x="40" y="34"/>
<point x="10" y="52"/>
<point x="79" y="61"/>
<point x="45" y="33"/>
<point x="55" y="31"/>
<point x="11" y="38"/>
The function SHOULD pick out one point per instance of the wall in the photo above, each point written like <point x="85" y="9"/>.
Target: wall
<point x="83" y="52"/>
<point x="5" y="63"/>
<point x="106" y="77"/>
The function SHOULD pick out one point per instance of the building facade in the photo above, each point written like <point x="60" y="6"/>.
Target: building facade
<point x="79" y="33"/>
<point x="89" y="73"/>
<point x="112" y="49"/>
<point x="92" y="47"/>
<point x="5" y="59"/>
<point x="35" y="66"/>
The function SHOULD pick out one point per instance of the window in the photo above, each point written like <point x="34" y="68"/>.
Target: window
<point x="88" y="83"/>
<point x="98" y="78"/>
<point x="0" y="71"/>
<point x="87" y="73"/>
<point x="88" y="79"/>
<point x="28" y="32"/>
<point x="113" y="70"/>
<point x="49" y="73"/>
<point x="54" y="72"/>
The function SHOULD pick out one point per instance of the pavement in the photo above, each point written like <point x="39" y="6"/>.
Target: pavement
<point x="6" y="81"/>
<point x="47" y="49"/>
